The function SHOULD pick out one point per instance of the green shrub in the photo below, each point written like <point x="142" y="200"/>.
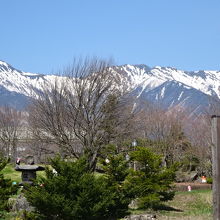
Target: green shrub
<point x="150" y="183"/>
<point x="209" y="180"/>
<point x="76" y="193"/>
<point x="116" y="172"/>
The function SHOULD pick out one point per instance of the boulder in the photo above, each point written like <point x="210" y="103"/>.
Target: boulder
<point x="20" y="203"/>
<point x="141" y="217"/>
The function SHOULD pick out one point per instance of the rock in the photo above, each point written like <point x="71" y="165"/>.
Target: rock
<point x="21" y="203"/>
<point x="141" y="217"/>
<point x="133" y="204"/>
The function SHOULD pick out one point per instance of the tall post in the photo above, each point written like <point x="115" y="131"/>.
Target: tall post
<point x="134" y="145"/>
<point x="216" y="166"/>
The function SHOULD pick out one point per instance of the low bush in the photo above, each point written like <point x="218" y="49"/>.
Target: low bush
<point x="76" y="193"/>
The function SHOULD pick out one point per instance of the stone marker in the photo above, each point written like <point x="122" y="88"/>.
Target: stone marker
<point x="28" y="172"/>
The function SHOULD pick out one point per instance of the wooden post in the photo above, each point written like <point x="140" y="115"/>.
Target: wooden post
<point x="216" y="166"/>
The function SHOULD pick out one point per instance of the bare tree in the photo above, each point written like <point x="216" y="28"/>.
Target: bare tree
<point x="10" y="129"/>
<point x="76" y="111"/>
<point x="165" y="129"/>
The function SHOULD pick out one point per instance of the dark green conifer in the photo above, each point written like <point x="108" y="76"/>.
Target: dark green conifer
<point x="151" y="183"/>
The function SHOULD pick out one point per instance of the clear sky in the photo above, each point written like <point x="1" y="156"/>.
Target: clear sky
<point x="43" y="36"/>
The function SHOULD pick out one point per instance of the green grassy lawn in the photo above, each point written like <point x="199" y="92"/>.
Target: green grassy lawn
<point x="190" y="205"/>
<point x="194" y="205"/>
<point x="10" y="173"/>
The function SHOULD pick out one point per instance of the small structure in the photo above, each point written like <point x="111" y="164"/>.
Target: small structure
<point x="204" y="180"/>
<point x="28" y="172"/>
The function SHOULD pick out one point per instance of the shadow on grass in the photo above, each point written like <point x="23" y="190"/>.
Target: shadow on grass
<point x="163" y="207"/>
<point x="160" y="207"/>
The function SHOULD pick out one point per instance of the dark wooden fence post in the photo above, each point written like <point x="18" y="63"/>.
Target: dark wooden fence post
<point x="216" y="166"/>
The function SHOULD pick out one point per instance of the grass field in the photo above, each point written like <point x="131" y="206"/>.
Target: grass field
<point x="194" y="205"/>
<point x="9" y="172"/>
<point x="190" y="205"/>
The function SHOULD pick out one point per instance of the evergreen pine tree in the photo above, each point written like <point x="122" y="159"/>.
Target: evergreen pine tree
<point x="77" y="193"/>
<point x="151" y="183"/>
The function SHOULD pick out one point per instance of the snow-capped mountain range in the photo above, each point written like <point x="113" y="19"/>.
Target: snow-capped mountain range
<point x="17" y="87"/>
<point x="166" y="86"/>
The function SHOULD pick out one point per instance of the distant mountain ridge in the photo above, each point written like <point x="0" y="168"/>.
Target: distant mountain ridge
<point x="167" y="86"/>
<point x="172" y="88"/>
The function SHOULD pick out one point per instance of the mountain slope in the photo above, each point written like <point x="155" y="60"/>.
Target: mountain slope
<point x="172" y="94"/>
<point x="207" y="82"/>
<point x="24" y="83"/>
<point x="166" y="86"/>
<point x="172" y="88"/>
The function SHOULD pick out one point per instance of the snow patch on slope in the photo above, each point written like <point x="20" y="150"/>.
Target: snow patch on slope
<point x="167" y="85"/>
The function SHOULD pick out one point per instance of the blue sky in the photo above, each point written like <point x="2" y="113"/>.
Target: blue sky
<point x="43" y="36"/>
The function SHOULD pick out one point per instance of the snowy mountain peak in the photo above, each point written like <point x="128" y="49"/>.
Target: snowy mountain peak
<point x="167" y="85"/>
<point x="6" y="67"/>
<point x="18" y="82"/>
<point x="3" y="63"/>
